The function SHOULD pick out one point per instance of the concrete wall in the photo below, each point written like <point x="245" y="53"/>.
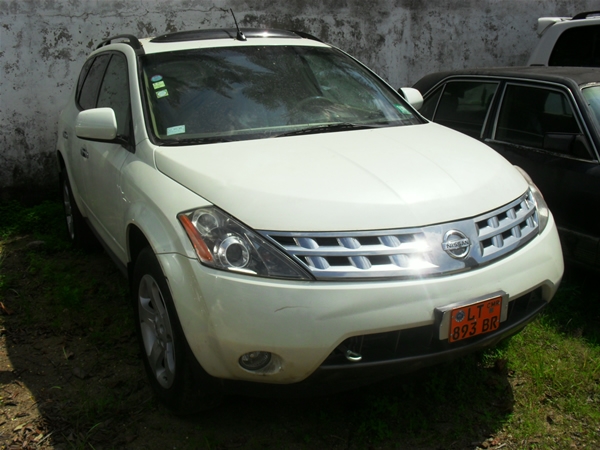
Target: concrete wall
<point x="44" y="42"/>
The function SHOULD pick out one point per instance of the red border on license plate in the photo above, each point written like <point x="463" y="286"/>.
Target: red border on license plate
<point x="475" y="319"/>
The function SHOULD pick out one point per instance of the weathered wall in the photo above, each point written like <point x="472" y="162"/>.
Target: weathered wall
<point x="43" y="44"/>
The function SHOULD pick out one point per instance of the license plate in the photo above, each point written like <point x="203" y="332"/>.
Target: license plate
<point x="475" y="319"/>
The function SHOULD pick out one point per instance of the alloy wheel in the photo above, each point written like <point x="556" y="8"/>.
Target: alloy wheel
<point x="156" y="330"/>
<point x="68" y="210"/>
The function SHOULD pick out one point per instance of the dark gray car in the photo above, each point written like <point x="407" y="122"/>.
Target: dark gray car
<point x="543" y="119"/>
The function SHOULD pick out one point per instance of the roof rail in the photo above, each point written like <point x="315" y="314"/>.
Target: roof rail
<point x="584" y="15"/>
<point x="180" y="36"/>
<point x="223" y="33"/>
<point x="306" y="35"/>
<point x="127" y="38"/>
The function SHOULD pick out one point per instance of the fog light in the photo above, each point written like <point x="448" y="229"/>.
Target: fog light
<point x="255" y="360"/>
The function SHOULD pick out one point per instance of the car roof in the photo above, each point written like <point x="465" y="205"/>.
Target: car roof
<point x="572" y="76"/>
<point x="208" y="38"/>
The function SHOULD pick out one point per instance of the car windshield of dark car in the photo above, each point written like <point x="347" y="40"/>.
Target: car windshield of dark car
<point x="222" y="94"/>
<point x="592" y="96"/>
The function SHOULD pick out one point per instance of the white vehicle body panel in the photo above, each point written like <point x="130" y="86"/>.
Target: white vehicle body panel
<point x="360" y="180"/>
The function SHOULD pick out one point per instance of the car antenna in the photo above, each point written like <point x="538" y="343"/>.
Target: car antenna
<point x="240" y="36"/>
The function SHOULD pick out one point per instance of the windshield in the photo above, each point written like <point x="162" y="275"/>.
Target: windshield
<point x="592" y="96"/>
<point x="222" y="94"/>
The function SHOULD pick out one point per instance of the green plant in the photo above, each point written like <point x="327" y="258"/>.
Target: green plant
<point x="45" y="218"/>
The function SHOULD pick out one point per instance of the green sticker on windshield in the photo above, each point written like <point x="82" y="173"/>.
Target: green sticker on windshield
<point x="160" y="84"/>
<point x="161" y="94"/>
<point x="402" y="109"/>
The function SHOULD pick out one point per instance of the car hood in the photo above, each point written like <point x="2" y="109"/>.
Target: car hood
<point x="356" y="180"/>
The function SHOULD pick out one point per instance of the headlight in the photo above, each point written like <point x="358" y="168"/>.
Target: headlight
<point x="536" y="196"/>
<point x="224" y="243"/>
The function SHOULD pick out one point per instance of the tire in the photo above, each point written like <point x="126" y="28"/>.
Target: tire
<point x="78" y="231"/>
<point x="175" y="375"/>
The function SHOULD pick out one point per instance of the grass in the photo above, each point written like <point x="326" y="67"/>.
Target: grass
<point x="55" y="290"/>
<point x="64" y="280"/>
<point x="43" y="221"/>
<point x="557" y="364"/>
<point x="538" y="390"/>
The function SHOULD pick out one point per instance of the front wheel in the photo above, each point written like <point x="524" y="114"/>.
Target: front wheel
<point x="176" y="377"/>
<point x="78" y="231"/>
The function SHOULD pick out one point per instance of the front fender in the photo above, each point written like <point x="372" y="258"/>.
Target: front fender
<point x="155" y="200"/>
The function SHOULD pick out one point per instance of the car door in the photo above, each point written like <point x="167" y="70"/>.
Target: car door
<point x="85" y="98"/>
<point x="539" y="128"/>
<point x="107" y="202"/>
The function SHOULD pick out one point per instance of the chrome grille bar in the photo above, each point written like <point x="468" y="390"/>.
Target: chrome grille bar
<point x="414" y="252"/>
<point x="507" y="228"/>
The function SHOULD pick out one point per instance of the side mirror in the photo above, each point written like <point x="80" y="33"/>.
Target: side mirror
<point x="558" y="142"/>
<point x="99" y="124"/>
<point x="581" y="147"/>
<point x="412" y="96"/>
<point x="567" y="143"/>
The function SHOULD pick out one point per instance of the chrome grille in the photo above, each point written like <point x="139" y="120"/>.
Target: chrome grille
<point x="507" y="228"/>
<point x="414" y="252"/>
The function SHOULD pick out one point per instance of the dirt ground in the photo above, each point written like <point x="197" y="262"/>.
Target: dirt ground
<point x="54" y="377"/>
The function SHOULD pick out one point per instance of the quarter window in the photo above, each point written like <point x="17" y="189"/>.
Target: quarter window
<point x="89" y="87"/>
<point x="83" y="75"/>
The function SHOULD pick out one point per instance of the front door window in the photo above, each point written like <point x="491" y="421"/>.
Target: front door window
<point x="464" y="106"/>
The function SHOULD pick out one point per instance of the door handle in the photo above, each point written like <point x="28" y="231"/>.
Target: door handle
<point x="65" y="135"/>
<point x="84" y="153"/>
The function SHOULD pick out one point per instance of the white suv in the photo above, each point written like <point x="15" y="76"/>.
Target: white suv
<point x="287" y="218"/>
<point x="568" y="41"/>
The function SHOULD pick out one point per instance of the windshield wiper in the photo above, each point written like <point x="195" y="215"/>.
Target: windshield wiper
<point x="342" y="126"/>
<point x="195" y="141"/>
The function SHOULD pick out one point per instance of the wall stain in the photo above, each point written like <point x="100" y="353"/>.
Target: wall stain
<point x="146" y="29"/>
<point x="54" y="44"/>
<point x="44" y="43"/>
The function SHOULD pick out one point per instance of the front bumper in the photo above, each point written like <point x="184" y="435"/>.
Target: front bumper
<point x="415" y="349"/>
<point x="226" y="315"/>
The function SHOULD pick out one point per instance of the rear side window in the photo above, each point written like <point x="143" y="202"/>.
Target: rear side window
<point x="464" y="105"/>
<point x="579" y="46"/>
<point x="88" y="95"/>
